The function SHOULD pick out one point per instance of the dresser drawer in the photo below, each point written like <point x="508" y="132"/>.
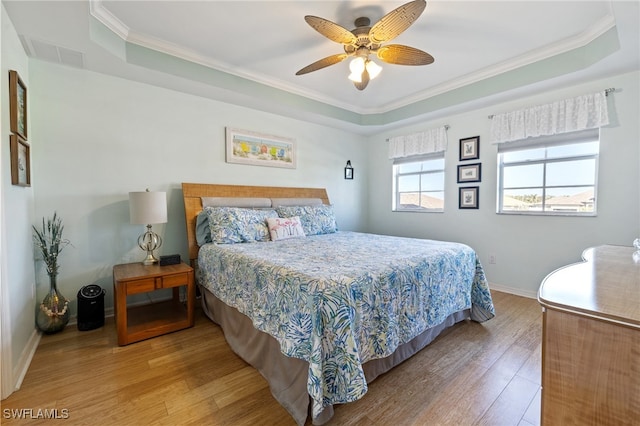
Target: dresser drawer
<point x="141" y="286"/>
<point x="175" y="280"/>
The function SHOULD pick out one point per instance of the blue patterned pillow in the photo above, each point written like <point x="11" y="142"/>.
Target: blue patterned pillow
<point x="315" y="220"/>
<point x="231" y="225"/>
<point x="203" y="230"/>
<point x="254" y="224"/>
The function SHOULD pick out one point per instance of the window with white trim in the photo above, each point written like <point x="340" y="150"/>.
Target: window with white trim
<point x="418" y="183"/>
<point x="551" y="175"/>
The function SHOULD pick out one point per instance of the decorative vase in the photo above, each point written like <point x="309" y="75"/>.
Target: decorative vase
<point x="53" y="313"/>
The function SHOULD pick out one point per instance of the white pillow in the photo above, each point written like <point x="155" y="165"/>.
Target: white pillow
<point x="283" y="228"/>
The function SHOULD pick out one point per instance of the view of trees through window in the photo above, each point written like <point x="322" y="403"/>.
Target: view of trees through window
<point x="553" y="179"/>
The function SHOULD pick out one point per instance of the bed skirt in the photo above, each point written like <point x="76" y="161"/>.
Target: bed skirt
<point x="287" y="377"/>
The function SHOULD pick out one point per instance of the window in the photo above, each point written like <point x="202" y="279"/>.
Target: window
<point x="555" y="175"/>
<point x="418" y="183"/>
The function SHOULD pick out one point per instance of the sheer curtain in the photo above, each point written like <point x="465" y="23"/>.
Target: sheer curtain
<point x="569" y="115"/>
<point x="421" y="143"/>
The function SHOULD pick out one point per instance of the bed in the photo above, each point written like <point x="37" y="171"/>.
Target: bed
<point x="318" y="311"/>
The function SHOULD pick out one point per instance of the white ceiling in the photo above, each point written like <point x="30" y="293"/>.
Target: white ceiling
<point x="247" y="52"/>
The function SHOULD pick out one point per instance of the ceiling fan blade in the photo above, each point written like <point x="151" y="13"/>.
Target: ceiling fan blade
<point x="395" y="22"/>
<point x="331" y="30"/>
<point x="322" y="63"/>
<point x="404" y="55"/>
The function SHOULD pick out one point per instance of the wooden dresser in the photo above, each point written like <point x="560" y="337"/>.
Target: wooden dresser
<point x="591" y="340"/>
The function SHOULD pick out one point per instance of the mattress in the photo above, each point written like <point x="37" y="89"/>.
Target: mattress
<point x="340" y="300"/>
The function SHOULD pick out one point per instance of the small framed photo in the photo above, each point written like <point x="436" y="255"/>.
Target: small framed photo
<point x="17" y="105"/>
<point x="470" y="148"/>
<point x="469" y="172"/>
<point x="468" y="197"/>
<point x="348" y="171"/>
<point x="20" y="161"/>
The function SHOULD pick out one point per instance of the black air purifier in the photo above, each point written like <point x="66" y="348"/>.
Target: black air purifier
<point x="90" y="307"/>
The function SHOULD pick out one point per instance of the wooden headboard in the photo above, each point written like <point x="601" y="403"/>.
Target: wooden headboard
<point x="192" y="193"/>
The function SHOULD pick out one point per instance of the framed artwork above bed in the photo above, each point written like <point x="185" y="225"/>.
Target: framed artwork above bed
<point x="257" y="149"/>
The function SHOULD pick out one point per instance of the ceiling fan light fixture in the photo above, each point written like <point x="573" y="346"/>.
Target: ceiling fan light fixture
<point x="373" y="69"/>
<point x="355" y="77"/>
<point x="361" y="85"/>
<point x="357" y="65"/>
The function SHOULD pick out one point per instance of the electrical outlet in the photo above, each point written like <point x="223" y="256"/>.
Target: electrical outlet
<point x="492" y="259"/>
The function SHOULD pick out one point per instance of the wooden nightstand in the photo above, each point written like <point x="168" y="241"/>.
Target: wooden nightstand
<point x="151" y="320"/>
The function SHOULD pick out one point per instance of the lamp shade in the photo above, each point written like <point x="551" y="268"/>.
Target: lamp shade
<point x="147" y="207"/>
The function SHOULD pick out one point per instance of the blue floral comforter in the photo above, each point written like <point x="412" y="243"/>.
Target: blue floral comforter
<point x="339" y="300"/>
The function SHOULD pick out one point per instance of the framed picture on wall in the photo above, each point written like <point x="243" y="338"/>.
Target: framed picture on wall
<point x="468" y="197"/>
<point x="348" y="170"/>
<point x="470" y="148"/>
<point x="20" y="161"/>
<point x="17" y="105"/>
<point x="258" y="149"/>
<point x="469" y="172"/>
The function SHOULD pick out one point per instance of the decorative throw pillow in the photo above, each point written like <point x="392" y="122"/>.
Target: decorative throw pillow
<point x="283" y="228"/>
<point x="315" y="219"/>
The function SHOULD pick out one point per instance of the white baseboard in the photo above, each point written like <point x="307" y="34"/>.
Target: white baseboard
<point x="512" y="290"/>
<point x="25" y="359"/>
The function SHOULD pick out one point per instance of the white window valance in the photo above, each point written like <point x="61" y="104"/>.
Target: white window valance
<point x="421" y="143"/>
<point x="568" y="115"/>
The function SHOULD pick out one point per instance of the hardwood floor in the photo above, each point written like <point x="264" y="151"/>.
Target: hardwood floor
<point x="475" y="374"/>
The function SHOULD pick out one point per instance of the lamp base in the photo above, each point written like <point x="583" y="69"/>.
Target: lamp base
<point x="149" y="241"/>
<point x="150" y="259"/>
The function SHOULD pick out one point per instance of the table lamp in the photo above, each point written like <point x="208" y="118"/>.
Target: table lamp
<point x="147" y="208"/>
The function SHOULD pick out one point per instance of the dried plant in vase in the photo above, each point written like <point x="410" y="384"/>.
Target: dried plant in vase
<point x="53" y="314"/>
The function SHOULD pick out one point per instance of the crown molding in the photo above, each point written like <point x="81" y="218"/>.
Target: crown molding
<point x="545" y="52"/>
<point x="98" y="10"/>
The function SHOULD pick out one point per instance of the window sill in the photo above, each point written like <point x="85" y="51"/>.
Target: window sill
<point x="562" y="214"/>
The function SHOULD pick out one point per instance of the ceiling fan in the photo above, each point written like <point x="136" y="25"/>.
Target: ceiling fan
<point x="365" y="40"/>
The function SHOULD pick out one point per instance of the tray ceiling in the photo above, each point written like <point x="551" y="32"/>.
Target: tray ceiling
<point x="247" y="52"/>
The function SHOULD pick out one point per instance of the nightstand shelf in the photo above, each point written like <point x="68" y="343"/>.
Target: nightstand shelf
<point x="135" y="323"/>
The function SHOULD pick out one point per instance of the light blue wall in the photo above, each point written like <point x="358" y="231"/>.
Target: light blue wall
<point x="526" y="248"/>
<point x="99" y="137"/>
<point x="17" y="213"/>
